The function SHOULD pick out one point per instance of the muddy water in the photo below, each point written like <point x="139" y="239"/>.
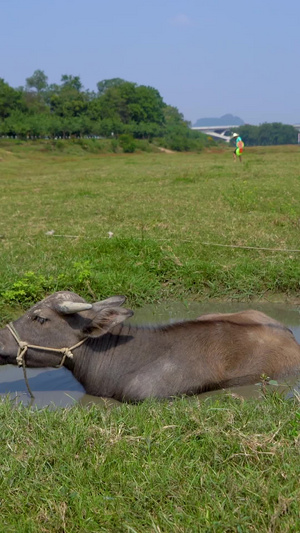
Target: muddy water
<point x="58" y="387"/>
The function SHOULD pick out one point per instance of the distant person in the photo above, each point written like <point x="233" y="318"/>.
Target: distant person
<point x="239" y="147"/>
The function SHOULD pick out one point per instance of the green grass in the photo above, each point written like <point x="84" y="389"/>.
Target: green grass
<point x="182" y="466"/>
<point x="162" y="209"/>
<point x="226" y="465"/>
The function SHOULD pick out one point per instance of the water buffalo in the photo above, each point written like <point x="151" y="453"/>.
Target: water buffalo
<point x="130" y="363"/>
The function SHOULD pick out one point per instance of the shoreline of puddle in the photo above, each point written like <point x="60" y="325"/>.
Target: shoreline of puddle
<point x="56" y="388"/>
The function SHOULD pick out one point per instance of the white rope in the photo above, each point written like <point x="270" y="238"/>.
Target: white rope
<point x="23" y="347"/>
<point x="287" y="250"/>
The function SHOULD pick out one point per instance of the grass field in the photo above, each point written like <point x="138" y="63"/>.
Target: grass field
<point x="162" y="209"/>
<point x="226" y="465"/>
<point x="184" y="466"/>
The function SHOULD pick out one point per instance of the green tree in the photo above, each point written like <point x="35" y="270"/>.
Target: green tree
<point x="107" y="106"/>
<point x="145" y="130"/>
<point x="148" y="106"/>
<point x="38" y="81"/>
<point x="249" y="135"/>
<point x="17" y="125"/>
<point x="94" y="109"/>
<point x="173" y="116"/>
<point x="54" y="126"/>
<point x="71" y="82"/>
<point x="10" y="99"/>
<point x="129" y="103"/>
<point x="268" y="134"/>
<point x="103" y="85"/>
<point x="68" y="100"/>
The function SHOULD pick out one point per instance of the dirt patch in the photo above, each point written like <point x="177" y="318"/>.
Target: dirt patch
<point x="166" y="150"/>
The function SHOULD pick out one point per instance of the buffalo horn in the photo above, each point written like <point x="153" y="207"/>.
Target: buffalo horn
<point x="69" y="307"/>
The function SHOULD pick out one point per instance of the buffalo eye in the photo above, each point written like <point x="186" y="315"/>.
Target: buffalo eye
<point x="40" y="319"/>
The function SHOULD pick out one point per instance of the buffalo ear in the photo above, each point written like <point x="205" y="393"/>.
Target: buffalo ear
<point x="105" y="319"/>
<point x="113" y="301"/>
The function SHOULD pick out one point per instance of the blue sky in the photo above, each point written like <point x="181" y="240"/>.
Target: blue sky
<point x="207" y="58"/>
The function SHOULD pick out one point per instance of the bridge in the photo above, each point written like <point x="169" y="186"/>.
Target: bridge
<point x="225" y="132"/>
<point x="218" y="132"/>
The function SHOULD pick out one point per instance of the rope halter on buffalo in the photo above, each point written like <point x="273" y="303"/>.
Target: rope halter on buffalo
<point x="23" y="347"/>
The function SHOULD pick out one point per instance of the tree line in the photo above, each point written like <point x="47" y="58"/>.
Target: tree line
<point x="118" y="107"/>
<point x="268" y="134"/>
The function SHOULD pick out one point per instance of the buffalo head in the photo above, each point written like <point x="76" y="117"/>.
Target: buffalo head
<point x="60" y="321"/>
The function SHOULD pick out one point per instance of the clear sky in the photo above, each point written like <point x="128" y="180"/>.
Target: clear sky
<point x="207" y="58"/>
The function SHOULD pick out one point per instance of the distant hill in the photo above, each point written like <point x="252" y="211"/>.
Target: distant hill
<point x="225" y="120"/>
